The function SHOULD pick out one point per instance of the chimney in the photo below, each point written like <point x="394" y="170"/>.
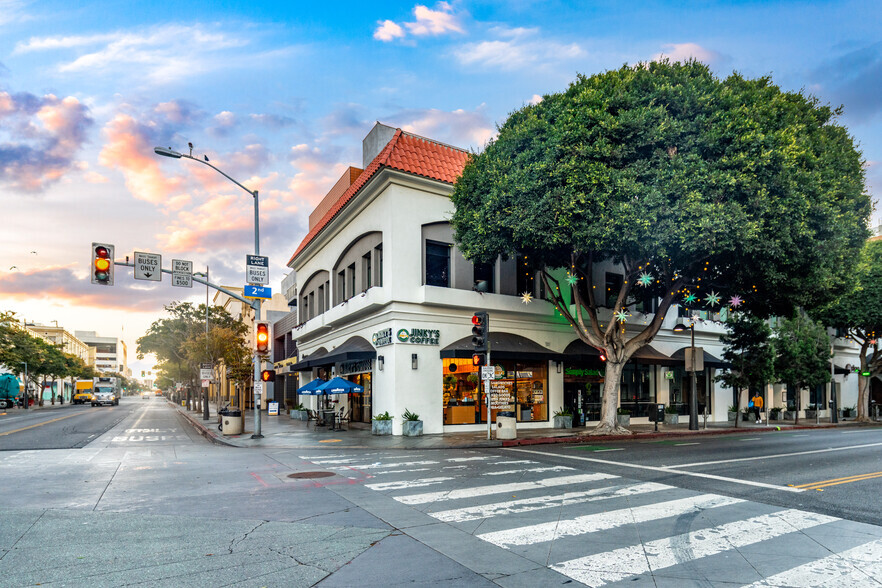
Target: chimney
<point x="378" y="138"/>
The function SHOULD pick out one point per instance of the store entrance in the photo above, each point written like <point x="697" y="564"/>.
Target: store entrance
<point x="583" y="387"/>
<point x="360" y="404"/>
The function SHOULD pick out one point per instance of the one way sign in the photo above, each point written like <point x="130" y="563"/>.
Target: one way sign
<point x="148" y="266"/>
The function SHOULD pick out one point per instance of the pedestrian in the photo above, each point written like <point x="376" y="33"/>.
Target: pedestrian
<point x="757" y="402"/>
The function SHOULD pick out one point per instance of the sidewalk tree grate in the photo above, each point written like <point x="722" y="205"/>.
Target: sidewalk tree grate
<point x="310" y="475"/>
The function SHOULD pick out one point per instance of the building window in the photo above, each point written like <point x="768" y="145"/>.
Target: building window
<point x="483" y="275"/>
<point x="437" y="264"/>
<point x="351" y="270"/>
<point x="327" y="295"/>
<point x="818" y="397"/>
<point x="612" y="288"/>
<point x="341" y="286"/>
<point x="321" y="300"/>
<point x="379" y="250"/>
<point x="523" y="384"/>
<point x="366" y="271"/>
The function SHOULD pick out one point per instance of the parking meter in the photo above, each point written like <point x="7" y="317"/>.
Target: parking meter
<point x="659" y="414"/>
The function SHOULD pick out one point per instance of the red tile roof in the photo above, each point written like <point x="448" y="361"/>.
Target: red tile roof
<point x="404" y="152"/>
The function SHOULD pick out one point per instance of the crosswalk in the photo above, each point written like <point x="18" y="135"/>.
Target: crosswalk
<point x="599" y="529"/>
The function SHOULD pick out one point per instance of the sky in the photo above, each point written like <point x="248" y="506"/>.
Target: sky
<point x="279" y="96"/>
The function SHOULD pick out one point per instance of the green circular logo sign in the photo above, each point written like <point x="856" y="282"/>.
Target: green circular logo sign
<point x="403" y="335"/>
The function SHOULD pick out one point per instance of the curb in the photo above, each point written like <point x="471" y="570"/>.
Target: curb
<point x="202" y="429"/>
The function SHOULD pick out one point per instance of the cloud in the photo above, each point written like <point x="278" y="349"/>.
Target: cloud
<point x="854" y="80"/>
<point x="39" y="138"/>
<point x="428" y="22"/>
<point x="686" y="51"/>
<point x="272" y="120"/>
<point x="516" y="48"/>
<point x="461" y="128"/>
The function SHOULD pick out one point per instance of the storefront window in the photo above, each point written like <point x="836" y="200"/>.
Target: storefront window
<point x="681" y="390"/>
<point x="637" y="389"/>
<point x="583" y="387"/>
<point x="520" y="388"/>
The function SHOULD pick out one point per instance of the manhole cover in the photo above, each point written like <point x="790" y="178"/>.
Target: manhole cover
<point x="311" y="475"/>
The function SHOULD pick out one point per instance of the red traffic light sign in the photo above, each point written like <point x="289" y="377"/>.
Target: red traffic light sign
<point x="262" y="337"/>
<point x="268" y="375"/>
<point x="102" y="264"/>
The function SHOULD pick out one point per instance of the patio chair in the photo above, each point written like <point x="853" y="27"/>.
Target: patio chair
<point x="315" y="417"/>
<point x="343" y="419"/>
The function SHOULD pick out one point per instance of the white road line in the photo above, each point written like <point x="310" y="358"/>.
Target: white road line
<point x="500" y="488"/>
<point x="379" y="465"/>
<point x="874" y="430"/>
<point x="468" y="458"/>
<point x="618" y="564"/>
<point x="474" y="513"/>
<point x="536" y="470"/>
<point x="610" y="449"/>
<point x="384" y="473"/>
<point x="855" y="568"/>
<point x="603" y="521"/>
<point x="682" y="444"/>
<point x="404" y="484"/>
<point x="750" y="439"/>
<point x="777" y="455"/>
<point x="663" y="469"/>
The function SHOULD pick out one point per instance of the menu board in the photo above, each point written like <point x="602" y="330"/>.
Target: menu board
<point x="501" y="397"/>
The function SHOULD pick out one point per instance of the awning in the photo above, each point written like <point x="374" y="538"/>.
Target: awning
<point x="578" y="350"/>
<point x="303" y="364"/>
<point x="709" y="360"/>
<point x="841" y="370"/>
<point x="353" y="349"/>
<point x="502" y="346"/>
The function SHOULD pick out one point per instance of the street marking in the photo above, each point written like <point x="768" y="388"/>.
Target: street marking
<point x="775" y="456"/>
<point x="666" y="470"/>
<point x="598" y="448"/>
<point x="837" y="481"/>
<point x="605" y="521"/>
<point x="683" y="444"/>
<point x="40" y="424"/>
<point x="404" y="484"/>
<point x="474" y="513"/>
<point x="329" y="440"/>
<point x="857" y="567"/>
<point x="619" y="564"/>
<point x="532" y="470"/>
<point x="499" y="489"/>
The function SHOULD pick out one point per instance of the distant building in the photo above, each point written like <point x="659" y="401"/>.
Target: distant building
<point x="108" y="351"/>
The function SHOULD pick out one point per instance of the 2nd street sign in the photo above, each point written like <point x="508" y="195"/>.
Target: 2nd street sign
<point x="257" y="292"/>
<point x="182" y="273"/>
<point x="148" y="266"/>
<point x="256" y="269"/>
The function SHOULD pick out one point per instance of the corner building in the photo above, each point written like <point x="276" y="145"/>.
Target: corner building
<point x="385" y="299"/>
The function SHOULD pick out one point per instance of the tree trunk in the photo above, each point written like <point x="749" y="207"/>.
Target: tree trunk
<point x="610" y="402"/>
<point x="863" y="404"/>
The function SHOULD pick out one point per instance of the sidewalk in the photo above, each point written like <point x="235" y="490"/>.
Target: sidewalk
<point x="282" y="432"/>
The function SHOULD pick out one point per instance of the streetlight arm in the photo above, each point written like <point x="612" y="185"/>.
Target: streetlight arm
<point x="221" y="172"/>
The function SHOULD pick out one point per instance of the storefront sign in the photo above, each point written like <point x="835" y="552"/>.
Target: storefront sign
<point x="381" y="338"/>
<point x="583" y="372"/>
<point x="355" y="367"/>
<point x="419" y="336"/>
<point x="501" y="396"/>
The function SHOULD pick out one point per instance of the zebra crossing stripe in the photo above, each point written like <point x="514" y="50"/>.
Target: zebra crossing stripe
<point x="404" y="484"/>
<point x="500" y="488"/>
<point x="531" y="470"/>
<point x="474" y="513"/>
<point x="856" y="568"/>
<point x="604" y="521"/>
<point x="380" y="465"/>
<point x="618" y="564"/>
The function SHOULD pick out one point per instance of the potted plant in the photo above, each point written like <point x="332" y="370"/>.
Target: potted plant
<point x="623" y="417"/>
<point x="849" y="411"/>
<point x="731" y="413"/>
<point x="811" y="411"/>
<point x="299" y="413"/>
<point x="775" y="413"/>
<point x="790" y="413"/>
<point x="563" y="418"/>
<point x="412" y="425"/>
<point x="449" y="383"/>
<point x="474" y="380"/>
<point x="671" y="416"/>
<point x="381" y="424"/>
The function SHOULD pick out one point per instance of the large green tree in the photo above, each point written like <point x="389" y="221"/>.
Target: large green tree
<point x="703" y="185"/>
<point x="802" y="354"/>
<point x="750" y="352"/>
<point x="858" y="315"/>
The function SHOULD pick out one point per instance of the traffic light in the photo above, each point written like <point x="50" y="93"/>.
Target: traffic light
<point x="268" y="375"/>
<point x="478" y="359"/>
<point x="102" y="264"/>
<point x="262" y="337"/>
<point x="480" y="330"/>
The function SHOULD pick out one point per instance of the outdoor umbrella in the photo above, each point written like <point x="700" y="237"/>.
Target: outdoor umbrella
<point x="339" y="386"/>
<point x="309" y="389"/>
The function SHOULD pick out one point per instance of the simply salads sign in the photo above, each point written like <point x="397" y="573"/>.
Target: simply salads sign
<point x="419" y="336"/>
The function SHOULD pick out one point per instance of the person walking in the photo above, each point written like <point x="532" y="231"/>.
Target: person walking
<point x="757" y="402"/>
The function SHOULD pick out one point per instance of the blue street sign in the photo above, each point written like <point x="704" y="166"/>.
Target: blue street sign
<point x="264" y="292"/>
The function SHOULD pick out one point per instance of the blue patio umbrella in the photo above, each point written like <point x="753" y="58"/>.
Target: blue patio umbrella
<point x="309" y="389"/>
<point x="339" y="386"/>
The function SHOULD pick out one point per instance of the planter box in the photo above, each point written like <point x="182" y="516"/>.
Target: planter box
<point x="789" y="415"/>
<point x="775" y="416"/>
<point x="381" y="427"/>
<point x="672" y="419"/>
<point x="299" y="415"/>
<point x="563" y="422"/>
<point x="811" y="414"/>
<point x="410" y="428"/>
<point x="623" y="420"/>
<point x="730" y="416"/>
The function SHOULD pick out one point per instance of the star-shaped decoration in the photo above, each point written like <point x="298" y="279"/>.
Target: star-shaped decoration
<point x="645" y="279"/>
<point x="872" y="341"/>
<point x="735" y="301"/>
<point x="712" y="299"/>
<point x="621" y="316"/>
<point x="690" y="298"/>
<point x="572" y="279"/>
<point x="526" y="298"/>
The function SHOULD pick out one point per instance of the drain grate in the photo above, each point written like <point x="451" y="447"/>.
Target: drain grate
<point x="311" y="475"/>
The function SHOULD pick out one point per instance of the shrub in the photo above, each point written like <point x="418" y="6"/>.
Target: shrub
<point x="383" y="417"/>
<point x="623" y="410"/>
<point x="670" y="409"/>
<point x="410" y="416"/>
<point x="563" y="412"/>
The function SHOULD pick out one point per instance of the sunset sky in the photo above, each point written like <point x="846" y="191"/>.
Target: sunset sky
<point x="280" y="94"/>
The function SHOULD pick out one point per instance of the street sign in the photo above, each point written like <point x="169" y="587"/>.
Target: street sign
<point x="262" y="292"/>
<point x="258" y="388"/>
<point x="206" y="383"/>
<point x="148" y="266"/>
<point x="205" y="374"/>
<point x="182" y="273"/>
<point x="488" y="372"/>
<point x="206" y="365"/>
<point x="257" y="269"/>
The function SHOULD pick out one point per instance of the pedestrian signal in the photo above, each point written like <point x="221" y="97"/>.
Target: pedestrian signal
<point x="268" y="375"/>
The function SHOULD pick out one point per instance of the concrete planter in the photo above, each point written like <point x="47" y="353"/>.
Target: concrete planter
<point x="730" y="416"/>
<point x="299" y="415"/>
<point x="775" y="416"/>
<point x="789" y="415"/>
<point x="563" y="422"/>
<point x="672" y="419"/>
<point x="381" y="427"/>
<point x="411" y="428"/>
<point x="623" y="420"/>
<point x="811" y="414"/>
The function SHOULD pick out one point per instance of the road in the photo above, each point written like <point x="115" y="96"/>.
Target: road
<point x="151" y="503"/>
<point x="61" y="427"/>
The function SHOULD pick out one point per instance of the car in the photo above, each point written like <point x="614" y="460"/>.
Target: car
<point x="103" y="397"/>
<point x="146" y="394"/>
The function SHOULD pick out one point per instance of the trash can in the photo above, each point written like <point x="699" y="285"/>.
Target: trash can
<point x="231" y="421"/>
<point x="506" y="425"/>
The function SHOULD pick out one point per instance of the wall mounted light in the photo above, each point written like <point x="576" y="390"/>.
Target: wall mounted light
<point x="413" y="361"/>
<point x="380" y="362"/>
<point x="559" y="366"/>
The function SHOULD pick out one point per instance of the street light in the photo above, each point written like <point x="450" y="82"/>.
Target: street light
<point x="205" y="415"/>
<point x="693" y="399"/>
<point x="169" y="152"/>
